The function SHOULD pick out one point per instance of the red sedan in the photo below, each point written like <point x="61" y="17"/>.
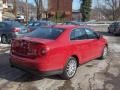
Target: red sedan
<point x="59" y="49"/>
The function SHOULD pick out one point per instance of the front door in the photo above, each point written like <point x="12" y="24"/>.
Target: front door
<point x="81" y="45"/>
<point x="95" y="43"/>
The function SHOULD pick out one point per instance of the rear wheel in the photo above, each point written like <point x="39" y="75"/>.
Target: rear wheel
<point x="70" y="69"/>
<point x="104" y="53"/>
<point x="4" y="39"/>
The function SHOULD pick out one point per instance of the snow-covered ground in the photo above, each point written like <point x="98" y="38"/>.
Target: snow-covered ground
<point x="4" y="47"/>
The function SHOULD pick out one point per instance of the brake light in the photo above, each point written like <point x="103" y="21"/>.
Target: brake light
<point x="35" y="49"/>
<point x="16" y="30"/>
<point x="43" y="51"/>
<point x="32" y="49"/>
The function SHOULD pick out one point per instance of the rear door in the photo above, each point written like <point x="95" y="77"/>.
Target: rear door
<point x="80" y="44"/>
<point x="95" y="43"/>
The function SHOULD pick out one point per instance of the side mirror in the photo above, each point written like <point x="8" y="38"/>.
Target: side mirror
<point x="98" y="35"/>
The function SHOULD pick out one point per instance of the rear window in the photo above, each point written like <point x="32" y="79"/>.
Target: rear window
<point x="46" y="33"/>
<point x="14" y="24"/>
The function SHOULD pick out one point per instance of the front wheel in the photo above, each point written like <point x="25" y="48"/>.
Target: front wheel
<point x="104" y="53"/>
<point x="70" y="69"/>
<point x="4" y="39"/>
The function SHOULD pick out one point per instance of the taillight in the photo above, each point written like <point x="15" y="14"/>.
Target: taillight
<point x="43" y="51"/>
<point x="32" y="50"/>
<point x="16" y="30"/>
<point x="35" y="49"/>
<point x="12" y="45"/>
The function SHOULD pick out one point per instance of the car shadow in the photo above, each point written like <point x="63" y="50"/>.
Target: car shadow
<point x="16" y="75"/>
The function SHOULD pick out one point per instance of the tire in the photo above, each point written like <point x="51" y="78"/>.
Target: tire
<point x="109" y="31"/>
<point x="4" y="39"/>
<point x="115" y="34"/>
<point x="104" y="53"/>
<point x="70" y="69"/>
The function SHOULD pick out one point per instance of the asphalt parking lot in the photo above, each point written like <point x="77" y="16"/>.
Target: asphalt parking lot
<point x="94" y="75"/>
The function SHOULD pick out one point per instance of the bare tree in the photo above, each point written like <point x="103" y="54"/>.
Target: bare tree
<point x="39" y="6"/>
<point x="111" y="9"/>
<point x="14" y="8"/>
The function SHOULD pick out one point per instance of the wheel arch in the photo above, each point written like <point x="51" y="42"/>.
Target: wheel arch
<point x="77" y="59"/>
<point x="3" y="35"/>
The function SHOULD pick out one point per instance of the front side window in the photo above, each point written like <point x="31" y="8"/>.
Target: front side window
<point x="91" y="34"/>
<point x="78" y="34"/>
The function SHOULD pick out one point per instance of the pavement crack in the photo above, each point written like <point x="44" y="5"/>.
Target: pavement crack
<point x="109" y="62"/>
<point x="90" y="80"/>
<point x="19" y="85"/>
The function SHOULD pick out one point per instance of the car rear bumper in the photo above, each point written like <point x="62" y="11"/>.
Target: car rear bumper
<point x="36" y="72"/>
<point x="34" y="67"/>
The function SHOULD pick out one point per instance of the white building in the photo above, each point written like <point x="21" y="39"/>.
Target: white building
<point x="1" y="9"/>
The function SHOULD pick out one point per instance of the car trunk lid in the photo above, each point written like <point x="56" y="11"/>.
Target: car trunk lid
<point x="29" y="47"/>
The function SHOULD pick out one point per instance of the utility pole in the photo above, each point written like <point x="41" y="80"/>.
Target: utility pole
<point x="26" y="11"/>
<point x="14" y="8"/>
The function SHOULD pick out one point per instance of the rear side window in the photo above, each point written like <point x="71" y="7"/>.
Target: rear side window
<point x="39" y="24"/>
<point x="78" y="34"/>
<point x="17" y="24"/>
<point x="46" y="33"/>
<point x="30" y="24"/>
<point x="36" y="24"/>
<point x="14" y="24"/>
